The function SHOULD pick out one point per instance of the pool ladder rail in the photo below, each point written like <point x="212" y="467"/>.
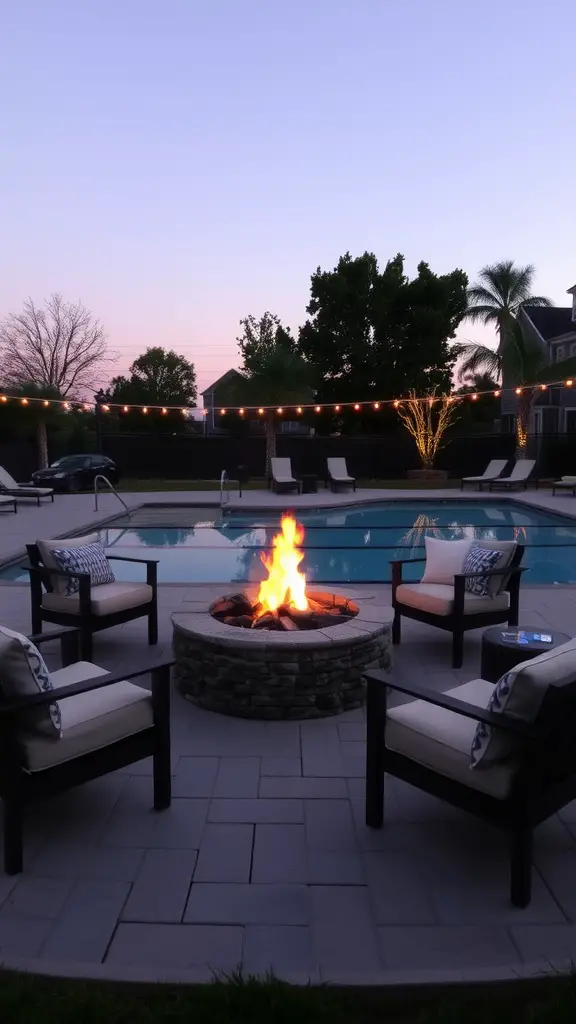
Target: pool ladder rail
<point x="100" y="476"/>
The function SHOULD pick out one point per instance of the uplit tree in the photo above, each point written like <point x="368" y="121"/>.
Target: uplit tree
<point x="427" y="420"/>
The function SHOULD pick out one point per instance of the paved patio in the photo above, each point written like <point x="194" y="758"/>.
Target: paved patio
<point x="263" y="859"/>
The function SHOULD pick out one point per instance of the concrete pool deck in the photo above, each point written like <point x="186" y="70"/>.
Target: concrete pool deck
<point x="263" y="859"/>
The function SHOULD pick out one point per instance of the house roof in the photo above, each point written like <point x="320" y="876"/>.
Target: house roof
<point x="224" y="379"/>
<point x="551" y="321"/>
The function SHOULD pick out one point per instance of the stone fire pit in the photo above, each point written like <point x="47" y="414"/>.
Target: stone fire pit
<point x="262" y="673"/>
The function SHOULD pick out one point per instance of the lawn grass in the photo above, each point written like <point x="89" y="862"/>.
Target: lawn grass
<point x="27" y="999"/>
<point x="260" y="485"/>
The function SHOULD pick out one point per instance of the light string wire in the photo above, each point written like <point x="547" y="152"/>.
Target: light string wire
<point x="70" y="404"/>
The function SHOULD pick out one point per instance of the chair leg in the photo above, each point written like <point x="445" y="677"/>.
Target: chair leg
<point x="396" y="627"/>
<point x="13" y="841"/>
<point x="86" y="643"/>
<point x="375" y="754"/>
<point x="153" y="625"/>
<point x="457" y="648"/>
<point x="521" y="866"/>
<point x="162" y="772"/>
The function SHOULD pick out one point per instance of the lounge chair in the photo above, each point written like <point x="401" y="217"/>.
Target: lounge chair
<point x="282" y="477"/>
<point x="492" y="472"/>
<point x="566" y="483"/>
<point x="518" y="477"/>
<point x="63" y="728"/>
<point x="6" y="501"/>
<point x="9" y="486"/>
<point x="338" y="474"/>
<point x="429" y="742"/>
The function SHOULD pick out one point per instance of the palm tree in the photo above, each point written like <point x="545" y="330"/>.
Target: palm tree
<point x="283" y="378"/>
<point x="496" y="300"/>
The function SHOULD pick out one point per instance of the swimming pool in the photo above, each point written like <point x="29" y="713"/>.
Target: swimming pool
<point x="346" y="545"/>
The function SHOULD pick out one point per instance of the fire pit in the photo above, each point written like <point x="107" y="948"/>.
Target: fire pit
<point x="279" y="651"/>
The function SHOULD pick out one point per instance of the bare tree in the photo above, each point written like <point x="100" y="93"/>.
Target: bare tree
<point x="58" y="345"/>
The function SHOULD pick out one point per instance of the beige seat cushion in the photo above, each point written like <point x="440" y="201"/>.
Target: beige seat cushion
<point x="442" y="740"/>
<point x="90" y="720"/>
<point x="438" y="599"/>
<point x="106" y="599"/>
<point x="45" y="548"/>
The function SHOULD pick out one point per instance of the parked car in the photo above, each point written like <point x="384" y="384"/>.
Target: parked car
<point x="76" y="472"/>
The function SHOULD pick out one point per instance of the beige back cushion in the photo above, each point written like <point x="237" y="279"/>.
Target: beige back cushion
<point x="23" y="673"/>
<point x="519" y="694"/>
<point x="45" y="548"/>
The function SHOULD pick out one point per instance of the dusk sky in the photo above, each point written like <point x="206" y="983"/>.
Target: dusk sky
<point x="179" y="164"/>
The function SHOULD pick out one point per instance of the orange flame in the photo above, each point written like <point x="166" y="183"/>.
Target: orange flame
<point x="285" y="583"/>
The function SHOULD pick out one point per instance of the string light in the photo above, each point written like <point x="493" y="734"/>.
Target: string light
<point x="497" y="394"/>
<point x="518" y="391"/>
<point x="45" y="404"/>
<point x="106" y="408"/>
<point x="280" y="411"/>
<point x="542" y="387"/>
<point x="3" y="398"/>
<point x="66" y="405"/>
<point x="356" y="407"/>
<point x="24" y="401"/>
<point x="337" y="408"/>
<point x="376" y="405"/>
<point x="222" y="412"/>
<point x="164" y="411"/>
<point x="145" y="410"/>
<point x="299" y="410"/>
<point x="318" y="408"/>
<point x="125" y="408"/>
<point x="474" y="398"/>
<point x="241" y="412"/>
<point x="569" y="383"/>
<point x="260" y="412"/>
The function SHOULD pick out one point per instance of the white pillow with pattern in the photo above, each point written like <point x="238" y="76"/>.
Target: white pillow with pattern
<point x="24" y="673"/>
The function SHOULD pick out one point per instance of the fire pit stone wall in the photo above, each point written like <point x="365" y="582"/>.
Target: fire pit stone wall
<point x="279" y="675"/>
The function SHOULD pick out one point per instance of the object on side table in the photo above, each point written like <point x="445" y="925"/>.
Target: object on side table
<point x="503" y="648"/>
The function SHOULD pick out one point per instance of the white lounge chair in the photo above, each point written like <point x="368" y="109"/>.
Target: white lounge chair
<point x="518" y="477"/>
<point x="338" y="474"/>
<point x="282" y="476"/>
<point x="8" y="486"/>
<point x="566" y="483"/>
<point x="492" y="472"/>
<point x="6" y="501"/>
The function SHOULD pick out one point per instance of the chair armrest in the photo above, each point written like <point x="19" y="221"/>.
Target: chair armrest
<point x="69" y="638"/>
<point x="87" y="685"/>
<point x="124" y="558"/>
<point x="42" y="572"/>
<point x="526" y="730"/>
<point x="406" y="561"/>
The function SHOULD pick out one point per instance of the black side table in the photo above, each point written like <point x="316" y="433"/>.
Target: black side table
<point x="309" y="483"/>
<point x="503" y="647"/>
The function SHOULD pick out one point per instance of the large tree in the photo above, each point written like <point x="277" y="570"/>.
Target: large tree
<point x="58" y="345"/>
<point x="374" y="334"/>
<point x="157" y="377"/>
<point x="261" y="337"/>
<point x="273" y="374"/>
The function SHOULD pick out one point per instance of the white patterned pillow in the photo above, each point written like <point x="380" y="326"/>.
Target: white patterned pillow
<point x="90" y="559"/>
<point x="24" y="673"/>
<point x="519" y="694"/>
<point x="479" y="560"/>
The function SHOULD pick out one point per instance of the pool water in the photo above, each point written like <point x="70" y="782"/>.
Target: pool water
<point x="346" y="545"/>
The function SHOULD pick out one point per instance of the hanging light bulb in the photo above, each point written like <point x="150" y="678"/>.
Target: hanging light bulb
<point x="222" y="412"/>
<point x="280" y="410"/>
<point x="45" y="403"/>
<point x="318" y="408"/>
<point x="497" y="394"/>
<point x="241" y="412"/>
<point x="299" y="410"/>
<point x="376" y="405"/>
<point x="542" y="387"/>
<point x="24" y="401"/>
<point x="260" y="412"/>
<point x="396" y="403"/>
<point x="569" y="383"/>
<point x="3" y="398"/>
<point x="474" y="398"/>
<point x="184" y="411"/>
<point x="125" y="408"/>
<point x="106" y="408"/>
<point x="336" y="408"/>
<point x="145" y="410"/>
<point x="164" y="411"/>
<point x="356" y="407"/>
<point x="518" y="391"/>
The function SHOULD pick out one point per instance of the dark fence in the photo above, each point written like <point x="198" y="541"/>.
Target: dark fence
<point x="182" y="457"/>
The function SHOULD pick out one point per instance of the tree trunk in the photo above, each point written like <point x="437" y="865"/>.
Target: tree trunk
<point x="270" y="441"/>
<point x="523" y="412"/>
<point x="42" y="439"/>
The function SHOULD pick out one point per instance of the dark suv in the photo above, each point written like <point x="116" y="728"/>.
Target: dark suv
<point x="76" y="473"/>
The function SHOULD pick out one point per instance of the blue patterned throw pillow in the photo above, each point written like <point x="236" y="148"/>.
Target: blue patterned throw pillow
<point x="24" y="673"/>
<point x="479" y="560"/>
<point x="484" y="733"/>
<point x="91" y="558"/>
